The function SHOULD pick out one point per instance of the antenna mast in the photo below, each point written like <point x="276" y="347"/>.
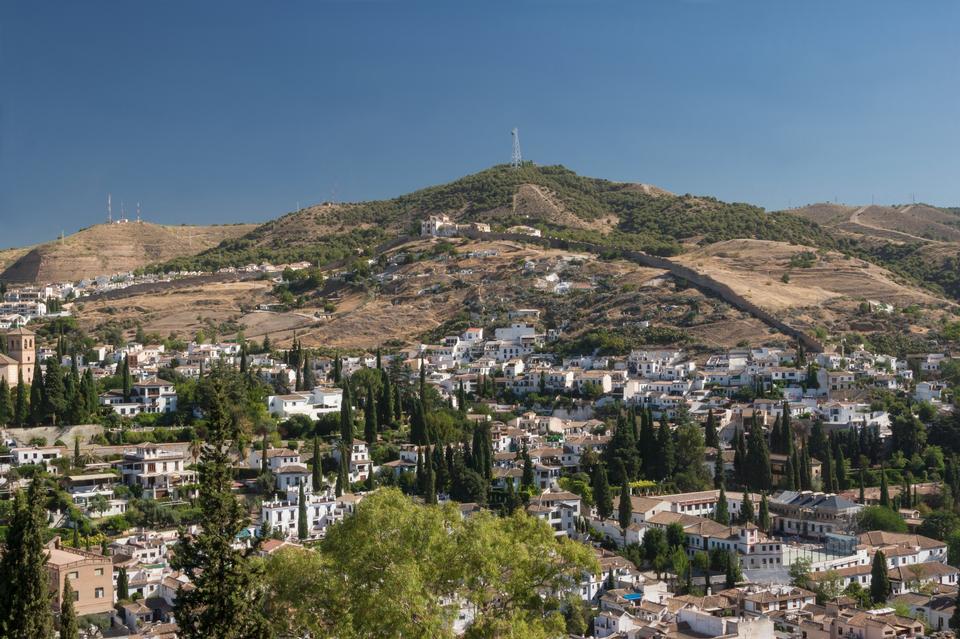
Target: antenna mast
<point x="109" y="210"/>
<point x="516" y="159"/>
<point x="138" y="212"/>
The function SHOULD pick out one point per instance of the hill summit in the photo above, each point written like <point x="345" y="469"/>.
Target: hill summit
<point x="106" y="249"/>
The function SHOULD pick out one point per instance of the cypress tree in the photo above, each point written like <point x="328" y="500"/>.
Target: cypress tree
<point x="722" y="514"/>
<point x="385" y="404"/>
<point x="601" y="492"/>
<point x="397" y="405"/>
<point x="315" y="475"/>
<point x="430" y="491"/>
<point x="758" y="460"/>
<point x="370" y="426"/>
<point x="840" y="470"/>
<point x="346" y="415"/>
<point x="764" y="520"/>
<point x="806" y="476"/>
<point x="226" y="600"/>
<point x="740" y="457"/>
<point x="6" y="404"/>
<point x="829" y="485"/>
<point x="647" y="445"/>
<point x="36" y="398"/>
<point x="440" y="470"/>
<point x="243" y="358"/>
<point x="710" y="437"/>
<point x="665" y="449"/>
<point x="76" y="451"/>
<point x="420" y="475"/>
<point x="718" y="470"/>
<point x="25" y="609"/>
<point x="264" y="461"/>
<point x="93" y="398"/>
<point x="302" y="530"/>
<point x="309" y="379"/>
<point x="127" y="380"/>
<point x="776" y="440"/>
<point x="423" y="382"/>
<point x="625" y="507"/>
<point x="879" y="579"/>
<point x="527" y="481"/>
<point x="746" y="509"/>
<point x="862" y="486"/>
<point x="123" y="585"/>
<point x="54" y="396"/>
<point x="884" y="492"/>
<point x="21" y="409"/>
<point x="788" y="474"/>
<point x="379" y="360"/>
<point x="68" y="617"/>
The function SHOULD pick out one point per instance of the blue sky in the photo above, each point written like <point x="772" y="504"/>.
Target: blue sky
<point x="214" y="112"/>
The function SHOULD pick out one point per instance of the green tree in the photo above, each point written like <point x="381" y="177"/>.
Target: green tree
<point x="624" y="509"/>
<point x="884" y="491"/>
<point x="601" y="492"/>
<point x="879" y="579"/>
<point x="315" y="473"/>
<point x="690" y="474"/>
<point x="25" y="609"/>
<point x="722" y="514"/>
<point x="21" y="409"/>
<point x="226" y="601"/>
<point x="302" y="528"/>
<point x="385" y="403"/>
<point x="763" y="522"/>
<point x="6" y="404"/>
<point x="710" y="437"/>
<point x="123" y="585"/>
<point x="746" y="509"/>
<point x="370" y="426"/>
<point x="394" y="567"/>
<point x="126" y="379"/>
<point x="54" y="395"/>
<point x="758" y="460"/>
<point x="346" y="415"/>
<point x="68" y="617"/>
<point x="880" y="518"/>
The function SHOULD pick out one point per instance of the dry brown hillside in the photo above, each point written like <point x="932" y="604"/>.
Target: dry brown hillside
<point x="106" y="249"/>
<point x="909" y="223"/>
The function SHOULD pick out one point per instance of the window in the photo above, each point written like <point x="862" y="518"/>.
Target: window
<point x="98" y="572"/>
<point x="98" y="593"/>
<point x="73" y="576"/>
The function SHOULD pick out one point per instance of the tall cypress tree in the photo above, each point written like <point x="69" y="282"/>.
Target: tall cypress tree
<point x="758" y="460"/>
<point x="665" y="449"/>
<point x="430" y="485"/>
<point x="6" y="404"/>
<point x="718" y="471"/>
<point x="740" y="457"/>
<point x="127" y="380"/>
<point x="346" y="415"/>
<point x="68" y="617"/>
<point x="302" y="529"/>
<point x="746" y="509"/>
<point x="54" y="395"/>
<point x="226" y="601"/>
<point x="625" y="507"/>
<point x="385" y="403"/>
<point x="829" y="478"/>
<point x="764" y="519"/>
<point x="315" y="475"/>
<point x="884" y="491"/>
<point x="601" y="492"/>
<point x="647" y="445"/>
<point x="710" y="437"/>
<point x="722" y="513"/>
<point x="370" y="426"/>
<point x="123" y="585"/>
<point x="25" y="609"/>
<point x="36" y="398"/>
<point x="789" y="471"/>
<point x="879" y="579"/>
<point x="21" y="408"/>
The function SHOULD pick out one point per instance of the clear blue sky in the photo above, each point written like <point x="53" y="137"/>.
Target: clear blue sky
<point x="233" y="111"/>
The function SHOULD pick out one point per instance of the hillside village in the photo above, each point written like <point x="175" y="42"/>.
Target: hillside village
<point x="738" y="493"/>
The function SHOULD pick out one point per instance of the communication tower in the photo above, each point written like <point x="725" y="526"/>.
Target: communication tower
<point x="516" y="159"/>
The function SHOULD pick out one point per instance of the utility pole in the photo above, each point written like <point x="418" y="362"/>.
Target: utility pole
<point x="516" y="159"/>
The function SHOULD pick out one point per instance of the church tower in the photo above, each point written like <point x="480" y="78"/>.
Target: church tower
<point x="21" y="346"/>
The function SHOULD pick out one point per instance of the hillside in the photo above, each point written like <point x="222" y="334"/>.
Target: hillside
<point x="908" y="223"/>
<point x="106" y="249"/>
<point x="551" y="197"/>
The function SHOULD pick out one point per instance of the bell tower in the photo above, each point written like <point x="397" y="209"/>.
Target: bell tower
<point x="21" y="346"/>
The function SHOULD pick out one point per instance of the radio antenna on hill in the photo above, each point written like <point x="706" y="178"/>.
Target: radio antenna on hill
<point x="516" y="159"/>
<point x="109" y="210"/>
<point x="138" y="212"/>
